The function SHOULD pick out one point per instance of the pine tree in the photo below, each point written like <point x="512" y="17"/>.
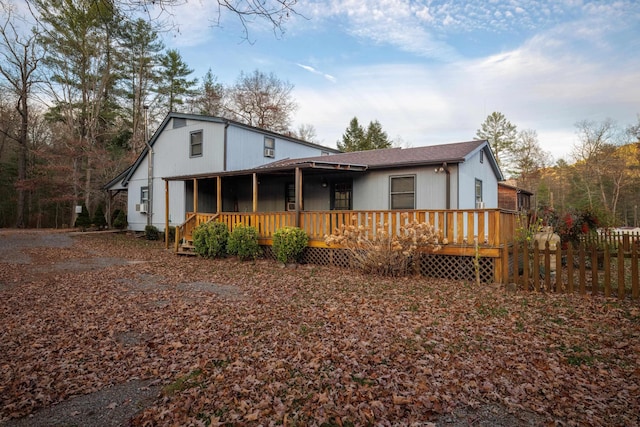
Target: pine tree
<point x="356" y="139"/>
<point x="208" y="100"/>
<point x="501" y="135"/>
<point x="376" y="138"/>
<point x="353" y="138"/>
<point x="174" y="84"/>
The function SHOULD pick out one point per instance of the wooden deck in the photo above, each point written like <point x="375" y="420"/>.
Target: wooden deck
<point x="459" y="228"/>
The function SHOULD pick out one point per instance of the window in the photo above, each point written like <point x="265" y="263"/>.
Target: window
<point x="481" y="156"/>
<point x="144" y="194"/>
<point x="403" y="192"/>
<point x="478" y="191"/>
<point x="269" y="147"/>
<point x="290" y="197"/>
<point x="195" y="146"/>
<point x="341" y="199"/>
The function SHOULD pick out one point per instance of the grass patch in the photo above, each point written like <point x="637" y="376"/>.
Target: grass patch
<point x="183" y="383"/>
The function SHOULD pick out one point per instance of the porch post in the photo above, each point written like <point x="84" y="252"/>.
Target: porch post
<point x="298" y="189"/>
<point x="218" y="194"/>
<point x="166" y="214"/>
<point x="195" y="196"/>
<point x="255" y="192"/>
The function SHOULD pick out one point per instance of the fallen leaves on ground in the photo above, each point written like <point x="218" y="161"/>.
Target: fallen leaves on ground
<point x="239" y="343"/>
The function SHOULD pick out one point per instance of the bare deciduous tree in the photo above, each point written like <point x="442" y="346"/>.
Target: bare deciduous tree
<point x="20" y="56"/>
<point x="274" y="12"/>
<point x="601" y="171"/>
<point x="261" y="100"/>
<point x="528" y="157"/>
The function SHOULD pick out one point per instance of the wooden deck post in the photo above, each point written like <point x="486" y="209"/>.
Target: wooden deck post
<point x="298" y="190"/>
<point x="195" y="196"/>
<point x="218" y="194"/>
<point x="166" y="214"/>
<point x="255" y="192"/>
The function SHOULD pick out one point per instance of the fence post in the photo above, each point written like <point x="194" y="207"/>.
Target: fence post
<point x="621" y="291"/>
<point x="635" y="285"/>
<point x="583" y="276"/>
<point x="525" y="266"/>
<point x="570" y="268"/>
<point x="536" y="268"/>
<point x="594" y="269"/>
<point x="547" y="266"/>
<point x="607" y="272"/>
<point x="559" y="268"/>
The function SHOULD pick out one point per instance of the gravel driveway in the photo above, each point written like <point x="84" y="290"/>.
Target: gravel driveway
<point x="110" y="407"/>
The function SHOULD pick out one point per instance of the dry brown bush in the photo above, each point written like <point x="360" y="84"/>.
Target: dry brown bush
<point x="381" y="251"/>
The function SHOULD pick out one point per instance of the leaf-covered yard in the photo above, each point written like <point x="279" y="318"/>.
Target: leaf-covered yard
<point x="242" y="343"/>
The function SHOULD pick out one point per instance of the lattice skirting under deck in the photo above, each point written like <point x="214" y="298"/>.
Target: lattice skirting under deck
<point x="454" y="267"/>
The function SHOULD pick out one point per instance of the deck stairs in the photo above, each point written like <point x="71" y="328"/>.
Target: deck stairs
<point x="186" y="248"/>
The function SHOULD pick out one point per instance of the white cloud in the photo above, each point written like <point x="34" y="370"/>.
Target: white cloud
<point x="314" y="71"/>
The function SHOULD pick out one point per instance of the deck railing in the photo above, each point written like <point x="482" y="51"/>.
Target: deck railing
<point x="491" y="227"/>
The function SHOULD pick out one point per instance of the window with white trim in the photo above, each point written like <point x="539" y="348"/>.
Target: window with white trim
<point x="144" y="194"/>
<point x="402" y="194"/>
<point x="269" y="147"/>
<point x="478" y="191"/>
<point x="195" y="144"/>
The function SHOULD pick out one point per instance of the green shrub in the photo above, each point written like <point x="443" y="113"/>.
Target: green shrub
<point x="289" y="243"/>
<point x="120" y="220"/>
<point x="243" y="242"/>
<point x="99" y="219"/>
<point x="210" y="239"/>
<point x="83" y="220"/>
<point x="151" y="232"/>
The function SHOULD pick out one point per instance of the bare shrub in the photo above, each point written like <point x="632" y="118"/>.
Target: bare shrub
<point x="381" y="250"/>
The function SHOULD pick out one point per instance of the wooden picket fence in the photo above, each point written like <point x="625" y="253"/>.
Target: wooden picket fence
<point x="598" y="269"/>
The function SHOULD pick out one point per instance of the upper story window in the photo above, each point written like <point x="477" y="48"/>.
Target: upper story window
<point x="195" y="144"/>
<point x="269" y="147"/>
<point x="481" y="156"/>
<point x="402" y="193"/>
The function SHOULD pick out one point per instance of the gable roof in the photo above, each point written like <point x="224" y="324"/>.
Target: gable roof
<point x="123" y="179"/>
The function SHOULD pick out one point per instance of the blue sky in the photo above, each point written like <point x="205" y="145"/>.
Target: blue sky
<point x="431" y="71"/>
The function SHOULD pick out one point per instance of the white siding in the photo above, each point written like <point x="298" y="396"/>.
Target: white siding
<point x="245" y="149"/>
<point x="371" y="191"/>
<point x="471" y="170"/>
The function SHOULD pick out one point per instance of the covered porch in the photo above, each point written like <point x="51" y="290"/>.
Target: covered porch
<point x="275" y="199"/>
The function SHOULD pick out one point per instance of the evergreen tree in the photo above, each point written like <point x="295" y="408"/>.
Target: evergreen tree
<point x="208" y="100"/>
<point x="174" y="85"/>
<point x="376" y="138"/>
<point x="353" y="138"/>
<point x="356" y="139"/>
<point x="501" y="135"/>
<point x="141" y="49"/>
<point x="80" y="64"/>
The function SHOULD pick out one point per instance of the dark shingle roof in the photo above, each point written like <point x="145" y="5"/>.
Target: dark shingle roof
<point x="391" y="157"/>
